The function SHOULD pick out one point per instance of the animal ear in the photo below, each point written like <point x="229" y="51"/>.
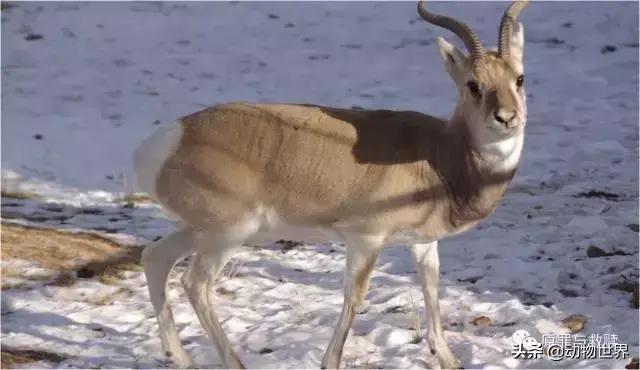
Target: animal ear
<point x="517" y="41"/>
<point x="454" y="59"/>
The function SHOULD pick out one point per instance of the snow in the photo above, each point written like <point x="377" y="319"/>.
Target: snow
<point x="104" y="75"/>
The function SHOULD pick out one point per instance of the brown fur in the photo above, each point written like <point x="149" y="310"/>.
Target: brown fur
<point x="373" y="176"/>
<point x="364" y="170"/>
<point x="497" y="77"/>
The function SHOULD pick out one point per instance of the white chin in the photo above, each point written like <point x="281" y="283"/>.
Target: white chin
<point x="501" y="129"/>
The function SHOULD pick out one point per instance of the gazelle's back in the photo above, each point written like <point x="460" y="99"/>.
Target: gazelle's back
<point x="312" y="164"/>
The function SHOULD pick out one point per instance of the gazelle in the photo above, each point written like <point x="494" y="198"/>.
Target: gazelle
<point x="240" y="172"/>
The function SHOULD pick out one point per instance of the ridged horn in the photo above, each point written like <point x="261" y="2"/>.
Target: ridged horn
<point x="506" y="26"/>
<point x="461" y="29"/>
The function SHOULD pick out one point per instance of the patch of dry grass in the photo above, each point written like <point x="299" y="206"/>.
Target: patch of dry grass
<point x="13" y="285"/>
<point x="15" y="356"/>
<point x="130" y="200"/>
<point x="109" y="298"/>
<point x="56" y="251"/>
<point x="138" y="198"/>
<point x="17" y="272"/>
<point x="19" y="194"/>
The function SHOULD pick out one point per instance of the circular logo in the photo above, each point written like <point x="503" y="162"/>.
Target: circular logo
<point x="519" y="336"/>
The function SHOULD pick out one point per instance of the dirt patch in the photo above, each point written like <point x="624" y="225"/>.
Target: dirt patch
<point x="59" y="252"/>
<point x="14" y="356"/>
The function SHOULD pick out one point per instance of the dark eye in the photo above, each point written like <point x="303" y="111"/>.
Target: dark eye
<point x="474" y="88"/>
<point x="520" y="81"/>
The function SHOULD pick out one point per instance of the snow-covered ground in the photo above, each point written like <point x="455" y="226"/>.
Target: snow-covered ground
<point x="103" y="75"/>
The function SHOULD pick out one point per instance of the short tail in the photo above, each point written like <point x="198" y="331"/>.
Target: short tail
<point x="152" y="153"/>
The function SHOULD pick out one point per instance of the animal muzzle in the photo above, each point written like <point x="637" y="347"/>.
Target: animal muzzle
<point x="508" y="118"/>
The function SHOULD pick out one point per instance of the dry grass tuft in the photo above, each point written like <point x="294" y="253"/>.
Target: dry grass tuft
<point x="56" y="251"/>
<point x="139" y="198"/>
<point x="14" y="356"/>
<point x="18" y="194"/>
<point x="16" y="272"/>
<point x="12" y="285"/>
<point x="109" y="298"/>
<point x="131" y="199"/>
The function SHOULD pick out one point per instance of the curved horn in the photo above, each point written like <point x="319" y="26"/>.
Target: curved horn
<point x="461" y="29"/>
<point x="506" y="26"/>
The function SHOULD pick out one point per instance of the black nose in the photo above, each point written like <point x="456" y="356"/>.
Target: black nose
<point x="502" y="117"/>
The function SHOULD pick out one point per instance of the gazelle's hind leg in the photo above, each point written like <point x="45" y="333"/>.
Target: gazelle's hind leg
<point x="213" y="251"/>
<point x="158" y="259"/>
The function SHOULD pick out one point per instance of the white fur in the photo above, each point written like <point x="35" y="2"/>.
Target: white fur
<point x="151" y="154"/>
<point x="504" y="155"/>
<point x="158" y="259"/>
<point x="427" y="262"/>
<point x="361" y="250"/>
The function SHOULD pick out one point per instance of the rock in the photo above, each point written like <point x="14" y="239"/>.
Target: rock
<point x="633" y="364"/>
<point x="33" y="36"/>
<point x="635" y="298"/>
<point x="85" y="273"/>
<point x="569" y="292"/>
<point x="634" y="227"/>
<point x="472" y="279"/>
<point x="555" y="41"/>
<point x="91" y="211"/>
<point x="608" y="49"/>
<point x="575" y="323"/>
<point x="265" y="351"/>
<point x="620" y="253"/>
<point x="481" y="320"/>
<point x="595" y="251"/>
<point x="625" y="286"/>
<point x="288" y="245"/>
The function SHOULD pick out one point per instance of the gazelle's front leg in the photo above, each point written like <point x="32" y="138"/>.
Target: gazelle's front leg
<point x="428" y="266"/>
<point x="362" y="254"/>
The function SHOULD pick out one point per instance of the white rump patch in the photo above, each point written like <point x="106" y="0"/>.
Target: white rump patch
<point x="151" y="154"/>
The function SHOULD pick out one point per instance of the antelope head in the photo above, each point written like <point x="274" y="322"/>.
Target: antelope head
<point x="492" y="98"/>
